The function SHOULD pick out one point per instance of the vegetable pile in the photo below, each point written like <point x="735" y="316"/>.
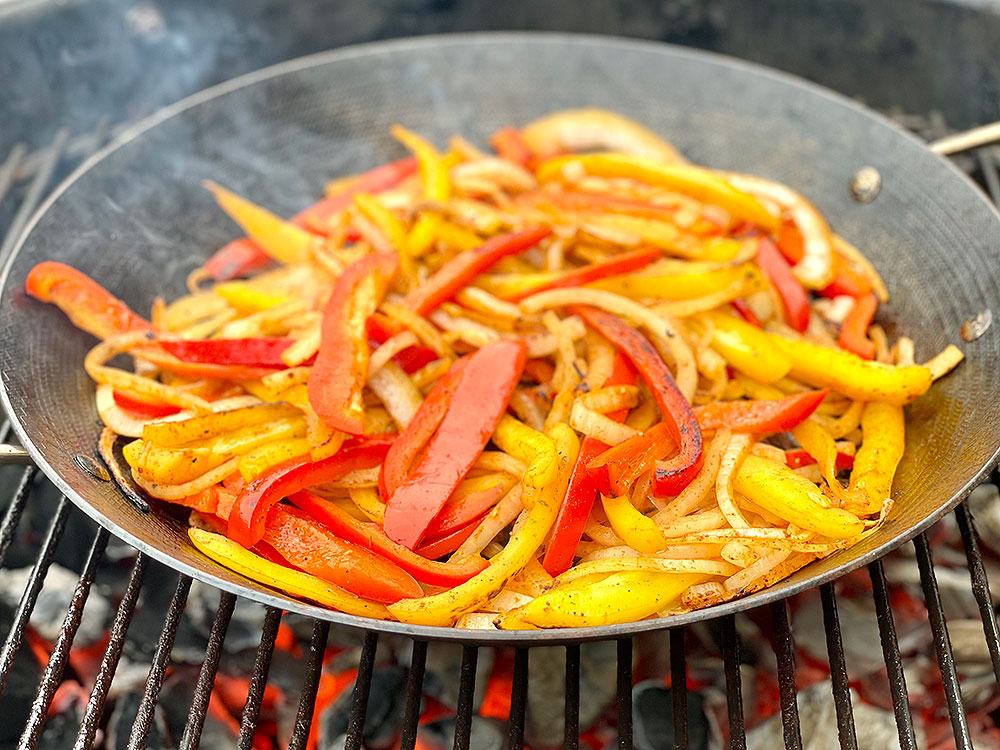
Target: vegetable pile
<point x="571" y="381"/>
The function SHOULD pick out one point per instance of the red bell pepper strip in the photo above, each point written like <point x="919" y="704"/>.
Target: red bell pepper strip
<point x="765" y="415"/>
<point x="166" y="361"/>
<point x="457" y="514"/>
<point x="624" y="263"/>
<point x="146" y="409"/>
<point x="413" y="439"/>
<point x="845" y="279"/>
<point x="378" y="179"/>
<point x="794" y="298"/>
<point x="464" y="267"/>
<point x="509" y="144"/>
<point x="676" y="473"/>
<point x="310" y="547"/>
<point x="236" y="259"/>
<point x="249" y="512"/>
<point x="259" y="352"/>
<point x="479" y="400"/>
<point x="338" y="377"/>
<point x="381" y="328"/>
<point x="581" y="492"/>
<point x="746" y="312"/>
<point x="445" y="545"/>
<point x="371" y="536"/>
<point x="854" y="330"/>
<point x="86" y="303"/>
<point x="798" y="459"/>
<point x="614" y="470"/>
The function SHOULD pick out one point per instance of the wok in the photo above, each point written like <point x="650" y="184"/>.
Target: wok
<point x="135" y="218"/>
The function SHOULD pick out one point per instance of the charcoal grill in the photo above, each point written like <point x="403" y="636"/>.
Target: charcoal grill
<point x="24" y="181"/>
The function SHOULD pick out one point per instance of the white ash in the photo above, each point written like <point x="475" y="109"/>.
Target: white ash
<point x="53" y="601"/>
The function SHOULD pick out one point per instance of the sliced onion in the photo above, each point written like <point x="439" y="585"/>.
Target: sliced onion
<point x="591" y="128"/>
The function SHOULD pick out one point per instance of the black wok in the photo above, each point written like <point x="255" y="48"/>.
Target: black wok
<point x="135" y="218"/>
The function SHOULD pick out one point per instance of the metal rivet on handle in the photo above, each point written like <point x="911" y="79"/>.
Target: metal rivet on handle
<point x="865" y="185"/>
<point x="977" y="325"/>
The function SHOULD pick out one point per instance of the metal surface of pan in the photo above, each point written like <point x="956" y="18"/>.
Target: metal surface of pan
<point x="135" y="218"/>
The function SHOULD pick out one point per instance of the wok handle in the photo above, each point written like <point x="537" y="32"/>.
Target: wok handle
<point x="13" y="454"/>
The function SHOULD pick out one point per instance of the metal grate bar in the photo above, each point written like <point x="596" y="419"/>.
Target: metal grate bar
<point x="571" y="728"/>
<point x="191" y="738"/>
<point x="60" y="651"/>
<point x="785" y="653"/>
<point x="307" y="699"/>
<point x="734" y="686"/>
<point x="362" y="686"/>
<point x="258" y="682"/>
<point x="518" y="698"/>
<point x="36" y="191"/>
<point x="980" y="585"/>
<point x="414" y="695"/>
<point x="893" y="662"/>
<point x="13" y="515"/>
<point x="838" y="670"/>
<point x="158" y="669"/>
<point x="466" y="697"/>
<point x="30" y="595"/>
<point x="678" y="687"/>
<point x="625" y="694"/>
<point x="116" y="642"/>
<point x="942" y="643"/>
<point x="9" y="168"/>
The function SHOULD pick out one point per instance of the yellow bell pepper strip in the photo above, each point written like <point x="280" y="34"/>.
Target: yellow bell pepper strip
<point x="676" y="473"/>
<point x="677" y="286"/>
<point x="433" y="167"/>
<point x="457" y="237"/>
<point x="338" y="377"/>
<point x="636" y="530"/>
<point x="423" y="234"/>
<point x="883" y="435"/>
<point x="248" y="298"/>
<point x="464" y="267"/>
<point x="280" y="239"/>
<point x="819" y="444"/>
<point x="534" y="448"/>
<point x="697" y="182"/>
<point x="847" y="373"/>
<point x="778" y="489"/>
<point x="236" y="558"/>
<point x="476" y="406"/>
<point x="393" y="229"/>
<point x="177" y="433"/>
<point x="602" y="600"/>
<point x="524" y="542"/>
<point x="615" y="266"/>
<point x="747" y="348"/>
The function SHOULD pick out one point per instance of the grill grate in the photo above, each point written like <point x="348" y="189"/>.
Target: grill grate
<point x="24" y="181"/>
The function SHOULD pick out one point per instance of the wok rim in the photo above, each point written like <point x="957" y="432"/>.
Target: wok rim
<point x="547" y="636"/>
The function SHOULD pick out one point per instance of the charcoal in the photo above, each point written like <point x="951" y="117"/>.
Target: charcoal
<point x="53" y="601"/>
<point x="122" y="721"/>
<point x="444" y="667"/>
<point x="22" y="683"/>
<point x="485" y="734"/>
<point x="175" y="702"/>
<point x="984" y="504"/>
<point x="876" y="728"/>
<point x="244" y="627"/>
<point x="859" y="628"/>
<point x="545" y="721"/>
<point x="383" y="718"/>
<point x="60" y="730"/>
<point x="653" y="718"/>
